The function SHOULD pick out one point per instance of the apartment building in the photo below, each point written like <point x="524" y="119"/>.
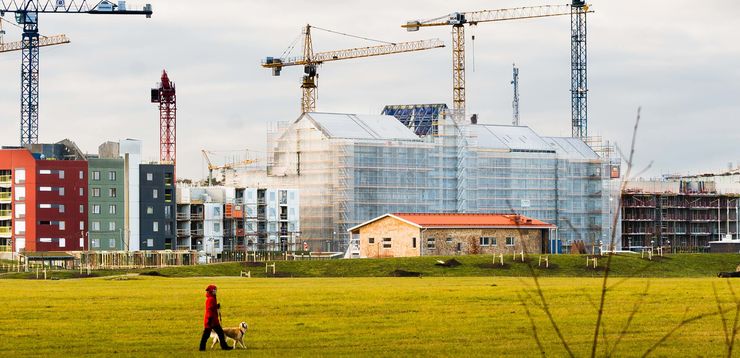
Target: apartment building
<point x="157" y="207"/>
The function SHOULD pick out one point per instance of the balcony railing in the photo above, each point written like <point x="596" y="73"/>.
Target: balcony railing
<point x="6" y="180"/>
<point x="196" y="216"/>
<point x="183" y="217"/>
<point x="196" y="232"/>
<point x="6" y="213"/>
<point x="5" y="196"/>
<point x="183" y="232"/>
<point x="6" y="231"/>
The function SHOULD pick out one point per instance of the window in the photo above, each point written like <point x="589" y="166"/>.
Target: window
<point x="20" y="176"/>
<point x="112" y="243"/>
<point x="167" y="212"/>
<point x="167" y="229"/>
<point x="96" y="175"/>
<point x="217" y="227"/>
<point x="155" y="226"/>
<point x="150" y="242"/>
<point x="45" y="188"/>
<point x="95" y="192"/>
<point x="111" y="209"/>
<point x="61" y="225"/>
<point x="386" y="242"/>
<point x="61" y="174"/>
<point x="111" y="226"/>
<point x="371" y="240"/>
<point x="82" y="174"/>
<point x="149" y="177"/>
<point x="112" y="176"/>
<point x="95" y="243"/>
<point x="509" y="241"/>
<point x="44" y="171"/>
<point x="95" y="226"/>
<point x="62" y="242"/>
<point x="82" y="225"/>
<point x="44" y="206"/>
<point x="61" y="208"/>
<point x="82" y="209"/>
<point x="485" y="241"/>
<point x="96" y="209"/>
<point x="112" y="192"/>
<point x="82" y="192"/>
<point x="413" y="242"/>
<point x="431" y="243"/>
<point x="82" y="242"/>
<point x="150" y="210"/>
<point x="155" y="193"/>
<point x="448" y="240"/>
<point x="61" y="191"/>
<point x="20" y="193"/>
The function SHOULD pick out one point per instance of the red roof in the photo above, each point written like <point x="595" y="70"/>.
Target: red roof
<point x="468" y="220"/>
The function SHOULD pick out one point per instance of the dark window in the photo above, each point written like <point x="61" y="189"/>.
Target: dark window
<point x="371" y="240"/>
<point x="386" y="242"/>
<point x="413" y="242"/>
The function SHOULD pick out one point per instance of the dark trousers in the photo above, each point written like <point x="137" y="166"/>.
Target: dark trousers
<point x="207" y="334"/>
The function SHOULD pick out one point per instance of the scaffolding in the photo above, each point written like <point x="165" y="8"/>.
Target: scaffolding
<point x="352" y="168"/>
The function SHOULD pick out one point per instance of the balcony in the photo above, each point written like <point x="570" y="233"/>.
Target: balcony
<point x="6" y="214"/>
<point x="183" y="232"/>
<point x="196" y="216"/>
<point x="6" y="181"/>
<point x="6" y="231"/>
<point x="183" y="216"/>
<point x="196" y="232"/>
<point x="6" y="197"/>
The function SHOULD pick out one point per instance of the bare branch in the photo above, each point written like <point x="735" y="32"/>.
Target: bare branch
<point x="684" y="322"/>
<point x="722" y="316"/>
<point x="533" y="325"/>
<point x="731" y="339"/>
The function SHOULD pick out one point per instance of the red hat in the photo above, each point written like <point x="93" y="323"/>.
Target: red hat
<point x="211" y="288"/>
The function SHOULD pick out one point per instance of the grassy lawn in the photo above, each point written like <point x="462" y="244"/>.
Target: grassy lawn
<point x="370" y="316"/>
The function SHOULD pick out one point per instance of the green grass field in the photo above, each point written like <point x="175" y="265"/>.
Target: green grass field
<point x="371" y="316"/>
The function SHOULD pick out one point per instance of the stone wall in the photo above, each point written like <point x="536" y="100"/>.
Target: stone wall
<point x="401" y="235"/>
<point x="467" y="241"/>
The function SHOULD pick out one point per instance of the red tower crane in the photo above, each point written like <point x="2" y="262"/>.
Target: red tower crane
<point x="165" y="96"/>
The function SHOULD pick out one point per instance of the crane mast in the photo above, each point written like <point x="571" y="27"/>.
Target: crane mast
<point x="578" y="73"/>
<point x="515" y="102"/>
<point x="165" y="95"/>
<point x="26" y="14"/>
<point x="311" y="60"/>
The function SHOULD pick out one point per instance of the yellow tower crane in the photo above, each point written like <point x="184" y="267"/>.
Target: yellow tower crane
<point x="459" y="19"/>
<point x="310" y="60"/>
<point x="223" y="168"/>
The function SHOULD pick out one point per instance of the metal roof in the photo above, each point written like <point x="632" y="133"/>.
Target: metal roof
<point x="352" y="126"/>
<point x="571" y="148"/>
<point x="514" y="138"/>
<point x="463" y="220"/>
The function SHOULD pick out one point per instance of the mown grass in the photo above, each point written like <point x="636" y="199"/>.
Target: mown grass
<point x="679" y="265"/>
<point x="430" y="316"/>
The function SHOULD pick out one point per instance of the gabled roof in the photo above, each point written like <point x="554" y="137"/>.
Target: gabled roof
<point x="460" y="220"/>
<point x="512" y="138"/>
<point x="571" y="148"/>
<point x="355" y="126"/>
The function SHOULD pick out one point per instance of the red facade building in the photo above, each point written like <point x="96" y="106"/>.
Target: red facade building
<point x="43" y="202"/>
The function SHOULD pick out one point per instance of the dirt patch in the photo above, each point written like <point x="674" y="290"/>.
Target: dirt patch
<point x="404" y="273"/>
<point x="449" y="263"/>
<point x="152" y="273"/>
<point x="253" y="264"/>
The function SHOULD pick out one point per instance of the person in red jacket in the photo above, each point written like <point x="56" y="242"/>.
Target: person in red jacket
<point x="211" y="321"/>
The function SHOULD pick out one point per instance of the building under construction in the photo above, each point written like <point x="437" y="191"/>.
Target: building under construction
<point x="352" y="168"/>
<point x="684" y="213"/>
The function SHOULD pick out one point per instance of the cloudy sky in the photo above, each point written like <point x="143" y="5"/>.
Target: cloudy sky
<point x="676" y="59"/>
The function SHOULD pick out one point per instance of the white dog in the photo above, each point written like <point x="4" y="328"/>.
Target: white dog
<point x="235" y="333"/>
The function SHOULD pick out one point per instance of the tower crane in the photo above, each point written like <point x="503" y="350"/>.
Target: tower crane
<point x="212" y="167"/>
<point x="165" y="96"/>
<point x="310" y="61"/>
<point x="26" y="14"/>
<point x="459" y="19"/>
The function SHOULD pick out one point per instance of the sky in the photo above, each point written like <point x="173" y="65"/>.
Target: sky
<point x="675" y="59"/>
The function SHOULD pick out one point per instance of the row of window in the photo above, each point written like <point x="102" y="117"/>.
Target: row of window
<point x="431" y="242"/>
<point x="96" y="175"/>
<point x="112" y="192"/>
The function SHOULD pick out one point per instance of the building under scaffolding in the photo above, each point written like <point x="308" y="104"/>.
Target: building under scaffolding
<point x="351" y="168"/>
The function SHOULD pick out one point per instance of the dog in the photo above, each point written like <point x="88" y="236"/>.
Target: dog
<point x="235" y="333"/>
